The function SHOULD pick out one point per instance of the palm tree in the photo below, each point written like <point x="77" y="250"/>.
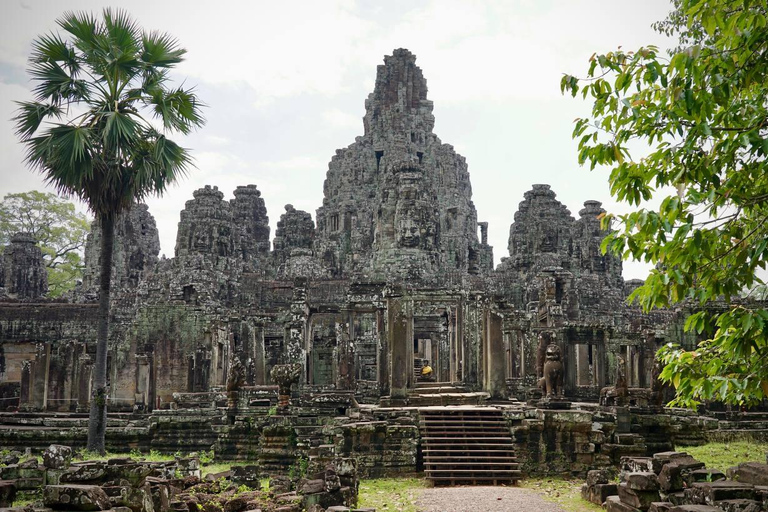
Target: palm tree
<point x="90" y="132"/>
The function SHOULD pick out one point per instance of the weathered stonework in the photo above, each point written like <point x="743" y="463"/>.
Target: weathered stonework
<point x="23" y="275"/>
<point x="393" y="276"/>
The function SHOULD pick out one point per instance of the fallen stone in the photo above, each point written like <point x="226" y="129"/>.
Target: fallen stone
<point x="660" y="506"/>
<point x="694" y="508"/>
<point x="7" y="493"/>
<point x="246" y="475"/>
<point x="311" y="486"/>
<point x="739" y="506"/>
<point x="672" y="475"/>
<point x="636" y="498"/>
<point x="636" y="464"/>
<point x="85" y="472"/>
<point x="707" y="493"/>
<point x="754" y="473"/>
<point x="57" y="456"/>
<point x="703" y="475"/>
<point x="75" y="497"/>
<point x="614" y="504"/>
<point x="645" y="481"/>
<point x="138" y="500"/>
<point x="597" y="476"/>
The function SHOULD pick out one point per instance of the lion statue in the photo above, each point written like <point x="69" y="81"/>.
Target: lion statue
<point x="552" y="381"/>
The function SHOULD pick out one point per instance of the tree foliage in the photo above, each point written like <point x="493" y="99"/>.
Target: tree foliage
<point x="699" y="117"/>
<point x="96" y="129"/>
<point x="59" y="229"/>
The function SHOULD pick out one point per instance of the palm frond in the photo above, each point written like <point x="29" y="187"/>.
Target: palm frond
<point x="161" y="50"/>
<point x="120" y="129"/>
<point x="179" y="110"/>
<point x="52" y="48"/>
<point x="122" y="30"/>
<point x="31" y="114"/>
<point x="84" y="28"/>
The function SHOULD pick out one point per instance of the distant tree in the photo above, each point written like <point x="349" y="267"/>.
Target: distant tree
<point x="88" y="131"/>
<point x="689" y="128"/>
<point x="58" y="228"/>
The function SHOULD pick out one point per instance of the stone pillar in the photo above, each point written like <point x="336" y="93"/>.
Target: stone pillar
<point x="39" y="381"/>
<point x="84" y="384"/>
<point x="345" y="379"/>
<point x="495" y="356"/>
<point x="384" y="364"/>
<point x="24" y="389"/>
<point x="400" y="340"/>
<point x="141" y="401"/>
<point x="259" y="368"/>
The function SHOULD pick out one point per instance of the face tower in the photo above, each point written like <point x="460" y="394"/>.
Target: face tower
<point x="398" y="202"/>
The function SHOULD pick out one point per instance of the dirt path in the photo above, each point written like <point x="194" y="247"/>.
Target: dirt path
<point x="486" y="499"/>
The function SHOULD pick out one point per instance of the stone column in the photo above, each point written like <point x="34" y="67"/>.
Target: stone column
<point x="259" y="368"/>
<point x="39" y="381"/>
<point x="84" y="384"/>
<point x="24" y="389"/>
<point x="400" y="339"/>
<point x="141" y="401"/>
<point x="346" y="375"/>
<point x="495" y="356"/>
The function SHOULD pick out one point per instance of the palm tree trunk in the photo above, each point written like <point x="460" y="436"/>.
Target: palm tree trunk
<point x="97" y="423"/>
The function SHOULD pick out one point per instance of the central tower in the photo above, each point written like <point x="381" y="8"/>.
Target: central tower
<point x="398" y="202"/>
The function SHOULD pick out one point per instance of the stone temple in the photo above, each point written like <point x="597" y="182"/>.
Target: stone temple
<point x="394" y="273"/>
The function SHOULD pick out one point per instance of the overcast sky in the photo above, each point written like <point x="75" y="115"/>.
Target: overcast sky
<point x="285" y="83"/>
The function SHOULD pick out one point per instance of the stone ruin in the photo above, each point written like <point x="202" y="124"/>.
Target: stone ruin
<point x="677" y="482"/>
<point x="394" y="273"/>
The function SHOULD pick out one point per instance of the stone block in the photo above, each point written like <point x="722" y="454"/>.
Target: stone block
<point x="642" y="481"/>
<point x="311" y="486"/>
<point x="614" y="504"/>
<point x="750" y="472"/>
<point x="694" y="508"/>
<point x="598" y="476"/>
<point x="57" y="456"/>
<point x="639" y="499"/>
<point x="672" y="475"/>
<point x="707" y="493"/>
<point x="138" y="500"/>
<point x="90" y="472"/>
<point x="600" y="492"/>
<point x="660" y="506"/>
<point x="740" y="506"/>
<point x="703" y="475"/>
<point x="636" y="464"/>
<point x="75" y="497"/>
<point x="7" y="493"/>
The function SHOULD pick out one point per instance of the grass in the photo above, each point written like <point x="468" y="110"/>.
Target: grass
<point x="206" y="459"/>
<point x="385" y="494"/>
<point x="27" y="498"/>
<point x="725" y="455"/>
<point x="564" y="492"/>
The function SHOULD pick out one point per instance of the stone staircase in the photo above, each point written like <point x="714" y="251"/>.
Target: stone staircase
<point x="467" y="445"/>
<point x="425" y="394"/>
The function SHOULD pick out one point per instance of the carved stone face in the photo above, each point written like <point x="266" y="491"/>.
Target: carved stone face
<point x="553" y="353"/>
<point x="408" y="234"/>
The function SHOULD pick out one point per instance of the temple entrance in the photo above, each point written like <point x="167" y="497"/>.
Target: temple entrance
<point x="431" y="348"/>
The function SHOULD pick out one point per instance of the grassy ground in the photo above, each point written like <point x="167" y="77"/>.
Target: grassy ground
<point x="566" y="493"/>
<point x="389" y="494"/>
<point x="725" y="455"/>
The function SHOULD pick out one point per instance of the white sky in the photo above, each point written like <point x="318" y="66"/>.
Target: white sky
<point x="285" y="83"/>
